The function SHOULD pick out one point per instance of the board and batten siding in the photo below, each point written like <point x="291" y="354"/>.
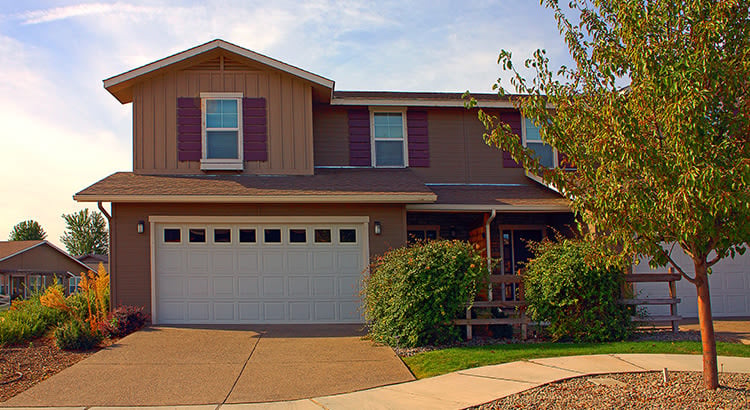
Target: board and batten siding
<point x="289" y="122"/>
<point x="456" y="150"/>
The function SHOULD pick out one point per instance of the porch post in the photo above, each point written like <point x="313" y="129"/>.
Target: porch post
<point x="488" y="239"/>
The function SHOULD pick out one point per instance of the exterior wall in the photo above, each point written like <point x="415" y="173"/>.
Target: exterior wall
<point x="41" y="259"/>
<point x="458" y="153"/>
<point x="288" y="105"/>
<point x="131" y="271"/>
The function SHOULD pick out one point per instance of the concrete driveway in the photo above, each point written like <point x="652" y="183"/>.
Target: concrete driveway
<point x="181" y="366"/>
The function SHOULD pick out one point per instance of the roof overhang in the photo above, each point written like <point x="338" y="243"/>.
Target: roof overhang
<point x="353" y="198"/>
<point x="119" y="85"/>
<point x="45" y="242"/>
<point x="488" y="208"/>
<point x="406" y="101"/>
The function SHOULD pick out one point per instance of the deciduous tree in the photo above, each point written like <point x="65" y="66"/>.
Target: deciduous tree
<point x="655" y="116"/>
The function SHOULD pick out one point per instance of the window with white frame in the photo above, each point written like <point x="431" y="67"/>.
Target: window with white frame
<point x="388" y="138"/>
<point x="73" y="284"/>
<point x="545" y="153"/>
<point x="221" y="131"/>
<point x="36" y="283"/>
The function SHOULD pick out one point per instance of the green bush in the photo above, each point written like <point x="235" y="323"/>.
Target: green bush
<point x="412" y="294"/>
<point x="572" y="288"/>
<point x="77" y="335"/>
<point x="26" y="320"/>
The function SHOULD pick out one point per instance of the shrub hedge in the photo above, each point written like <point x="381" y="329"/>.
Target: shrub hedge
<point x="412" y="294"/>
<point x="569" y="285"/>
<point x="26" y="320"/>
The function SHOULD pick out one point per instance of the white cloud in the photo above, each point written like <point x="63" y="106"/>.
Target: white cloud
<point x="78" y="10"/>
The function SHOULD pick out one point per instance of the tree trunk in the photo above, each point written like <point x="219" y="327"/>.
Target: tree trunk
<point x="710" y="368"/>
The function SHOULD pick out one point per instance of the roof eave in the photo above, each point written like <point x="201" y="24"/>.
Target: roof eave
<point x="342" y="198"/>
<point x="489" y="207"/>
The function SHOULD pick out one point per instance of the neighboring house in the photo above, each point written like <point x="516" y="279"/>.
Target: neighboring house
<point x="258" y="193"/>
<point x="27" y="266"/>
<point x="92" y="260"/>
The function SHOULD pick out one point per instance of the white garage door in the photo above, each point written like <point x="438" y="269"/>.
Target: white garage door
<point x="729" y="284"/>
<point x="258" y="273"/>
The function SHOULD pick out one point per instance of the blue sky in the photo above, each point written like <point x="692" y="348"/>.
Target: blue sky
<point x="63" y="131"/>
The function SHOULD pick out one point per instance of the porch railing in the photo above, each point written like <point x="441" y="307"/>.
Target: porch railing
<point x="4" y="300"/>
<point x="516" y="309"/>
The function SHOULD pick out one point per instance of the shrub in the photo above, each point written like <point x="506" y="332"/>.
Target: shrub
<point x="569" y="284"/>
<point x="125" y="320"/>
<point x="412" y="294"/>
<point x="77" y="335"/>
<point x="26" y="320"/>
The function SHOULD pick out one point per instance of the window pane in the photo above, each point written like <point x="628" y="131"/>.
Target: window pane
<point x="543" y="152"/>
<point x="222" y="235"/>
<point x="272" y="235"/>
<point x="322" y="236"/>
<point x="247" y="235"/>
<point x="430" y="234"/>
<point x="388" y="125"/>
<point x="532" y="132"/>
<point x="172" y="235"/>
<point x="197" y="235"/>
<point x="389" y="153"/>
<point x="221" y="113"/>
<point x="347" y="235"/>
<point x="297" y="236"/>
<point x="221" y="144"/>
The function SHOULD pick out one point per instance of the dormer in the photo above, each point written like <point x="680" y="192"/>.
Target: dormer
<point x="220" y="108"/>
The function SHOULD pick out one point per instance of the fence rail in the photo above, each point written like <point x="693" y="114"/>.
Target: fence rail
<point x="517" y="308"/>
<point x="4" y="300"/>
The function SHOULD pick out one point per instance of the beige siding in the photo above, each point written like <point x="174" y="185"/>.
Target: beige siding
<point x="458" y="153"/>
<point x="289" y="118"/>
<point x="41" y="259"/>
<point x="131" y="271"/>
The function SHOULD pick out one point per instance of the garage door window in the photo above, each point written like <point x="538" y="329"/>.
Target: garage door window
<point x="197" y="235"/>
<point x="247" y="236"/>
<point x="222" y="235"/>
<point x="272" y="236"/>
<point x="297" y="236"/>
<point x="348" y="235"/>
<point x="322" y="236"/>
<point x="172" y="235"/>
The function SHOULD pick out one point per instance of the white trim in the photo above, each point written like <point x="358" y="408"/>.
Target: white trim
<point x="152" y="227"/>
<point x="487" y="208"/>
<point x="416" y="102"/>
<point x="344" y="198"/>
<point x="222" y="163"/>
<point x="220" y="95"/>
<point x="404" y="140"/>
<point x="221" y="44"/>
<point x="235" y="220"/>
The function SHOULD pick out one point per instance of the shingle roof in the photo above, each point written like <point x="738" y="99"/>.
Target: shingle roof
<point x="334" y="185"/>
<point x="523" y="197"/>
<point x="8" y="248"/>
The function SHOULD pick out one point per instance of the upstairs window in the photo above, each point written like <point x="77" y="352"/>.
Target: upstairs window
<point x="221" y="131"/>
<point x="532" y="139"/>
<point x="388" y="139"/>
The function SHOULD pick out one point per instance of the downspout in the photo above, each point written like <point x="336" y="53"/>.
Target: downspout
<point x="112" y="293"/>
<point x="487" y="237"/>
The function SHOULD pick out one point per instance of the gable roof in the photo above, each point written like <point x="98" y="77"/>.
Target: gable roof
<point x="119" y="85"/>
<point x="9" y="249"/>
<point x="420" y="99"/>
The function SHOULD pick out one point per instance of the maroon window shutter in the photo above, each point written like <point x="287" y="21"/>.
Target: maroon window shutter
<point x="416" y="131"/>
<point x="188" y="129"/>
<point x="359" y="137"/>
<point x="514" y="120"/>
<point x="254" y="135"/>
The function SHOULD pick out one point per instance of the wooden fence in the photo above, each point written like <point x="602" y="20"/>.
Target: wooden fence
<point x="516" y="309"/>
<point x="4" y="301"/>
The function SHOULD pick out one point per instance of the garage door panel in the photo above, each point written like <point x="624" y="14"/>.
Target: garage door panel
<point x="735" y="304"/>
<point x="248" y="287"/>
<point x="299" y="286"/>
<point x="273" y="286"/>
<point x="250" y="281"/>
<point x="735" y="281"/>
<point x="223" y="287"/>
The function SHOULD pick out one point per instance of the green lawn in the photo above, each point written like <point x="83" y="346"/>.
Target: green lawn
<point x="438" y="362"/>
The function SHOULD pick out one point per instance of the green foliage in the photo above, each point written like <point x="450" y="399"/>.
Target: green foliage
<point x="26" y="320"/>
<point x="77" y="335"/>
<point x="85" y="233"/>
<point x="27" y="231"/>
<point x="413" y="293"/>
<point x="568" y="286"/>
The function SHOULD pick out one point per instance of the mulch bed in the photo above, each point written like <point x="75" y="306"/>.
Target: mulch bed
<point x="36" y="361"/>
<point x="683" y="390"/>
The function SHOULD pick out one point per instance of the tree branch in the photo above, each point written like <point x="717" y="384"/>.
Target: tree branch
<point x="676" y="266"/>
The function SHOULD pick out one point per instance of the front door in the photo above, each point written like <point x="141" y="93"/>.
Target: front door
<point x="515" y="253"/>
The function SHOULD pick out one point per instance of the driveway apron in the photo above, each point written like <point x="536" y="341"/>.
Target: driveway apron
<point x="183" y="366"/>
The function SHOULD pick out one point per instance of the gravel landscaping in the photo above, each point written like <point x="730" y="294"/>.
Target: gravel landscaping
<point x="35" y="361"/>
<point x="683" y="390"/>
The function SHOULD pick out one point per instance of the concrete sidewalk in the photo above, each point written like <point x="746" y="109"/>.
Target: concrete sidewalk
<point x="480" y="385"/>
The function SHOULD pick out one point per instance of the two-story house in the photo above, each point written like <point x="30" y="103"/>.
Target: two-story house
<point x="259" y="193"/>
